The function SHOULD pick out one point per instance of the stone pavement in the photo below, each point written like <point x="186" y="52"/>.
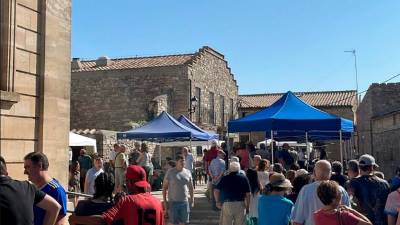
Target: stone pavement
<point x="201" y="214"/>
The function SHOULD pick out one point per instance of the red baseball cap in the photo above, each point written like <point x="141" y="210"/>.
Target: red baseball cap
<point x="137" y="174"/>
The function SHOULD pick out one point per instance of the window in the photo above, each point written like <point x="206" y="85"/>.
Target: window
<point x="222" y="110"/>
<point x="5" y="31"/>
<point x="211" y="112"/>
<point x="197" y="93"/>
<point x="231" y="107"/>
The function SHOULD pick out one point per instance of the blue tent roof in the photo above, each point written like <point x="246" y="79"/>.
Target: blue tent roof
<point x="291" y="116"/>
<point x="185" y="121"/>
<point x="163" y="128"/>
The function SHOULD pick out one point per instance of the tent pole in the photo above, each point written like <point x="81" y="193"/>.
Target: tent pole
<point x="159" y="154"/>
<point x="228" y="146"/>
<point x="272" y="147"/>
<point x="307" y="151"/>
<point x="191" y="150"/>
<point x="341" y="147"/>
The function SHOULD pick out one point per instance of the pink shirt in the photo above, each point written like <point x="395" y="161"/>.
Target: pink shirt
<point x="393" y="203"/>
<point x="321" y="217"/>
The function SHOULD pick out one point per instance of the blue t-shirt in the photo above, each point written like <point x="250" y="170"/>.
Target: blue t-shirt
<point x="274" y="210"/>
<point x="286" y="157"/>
<point x="394" y="183"/>
<point x="55" y="190"/>
<point x="233" y="187"/>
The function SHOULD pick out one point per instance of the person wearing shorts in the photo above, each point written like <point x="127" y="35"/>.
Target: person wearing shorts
<point x="179" y="187"/>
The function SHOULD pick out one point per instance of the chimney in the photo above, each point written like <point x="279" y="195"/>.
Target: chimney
<point x="76" y="64"/>
<point x="103" y="61"/>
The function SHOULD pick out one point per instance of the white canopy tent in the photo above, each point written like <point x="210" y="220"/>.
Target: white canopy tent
<point x="79" y="140"/>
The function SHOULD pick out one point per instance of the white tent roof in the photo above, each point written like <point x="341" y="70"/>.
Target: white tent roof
<point x="79" y="140"/>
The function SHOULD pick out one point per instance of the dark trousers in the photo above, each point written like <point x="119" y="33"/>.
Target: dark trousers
<point x="194" y="177"/>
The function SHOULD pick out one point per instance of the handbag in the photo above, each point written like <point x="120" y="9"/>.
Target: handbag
<point x="339" y="217"/>
<point x="249" y="220"/>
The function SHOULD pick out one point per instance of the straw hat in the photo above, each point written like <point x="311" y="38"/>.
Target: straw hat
<point x="278" y="180"/>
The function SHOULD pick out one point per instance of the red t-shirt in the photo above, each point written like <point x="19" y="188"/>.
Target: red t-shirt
<point x="139" y="209"/>
<point x="212" y="154"/>
<point x="244" y="158"/>
<point x="321" y="217"/>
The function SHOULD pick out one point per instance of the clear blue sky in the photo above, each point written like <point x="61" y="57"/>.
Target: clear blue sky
<point x="271" y="46"/>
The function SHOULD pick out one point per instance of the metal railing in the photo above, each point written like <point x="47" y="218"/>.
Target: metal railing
<point x="76" y="194"/>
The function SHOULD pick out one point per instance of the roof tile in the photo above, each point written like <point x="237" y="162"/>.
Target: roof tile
<point x="317" y="99"/>
<point x="137" y="62"/>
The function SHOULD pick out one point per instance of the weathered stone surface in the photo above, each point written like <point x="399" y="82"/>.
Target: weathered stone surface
<point x="378" y="126"/>
<point x="39" y="121"/>
<point x="111" y="99"/>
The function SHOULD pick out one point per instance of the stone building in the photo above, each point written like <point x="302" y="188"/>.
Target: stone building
<point x="35" y="83"/>
<point x="340" y="103"/>
<point x="112" y="94"/>
<point x="379" y="125"/>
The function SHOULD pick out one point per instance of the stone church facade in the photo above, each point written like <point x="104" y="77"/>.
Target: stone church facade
<point x="379" y="125"/>
<point x="35" y="83"/>
<point x="112" y="94"/>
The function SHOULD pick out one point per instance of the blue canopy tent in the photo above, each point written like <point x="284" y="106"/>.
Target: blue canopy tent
<point x="290" y="117"/>
<point x="185" y="121"/>
<point x="163" y="128"/>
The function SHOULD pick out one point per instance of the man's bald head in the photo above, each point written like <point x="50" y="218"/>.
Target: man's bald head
<point x="322" y="170"/>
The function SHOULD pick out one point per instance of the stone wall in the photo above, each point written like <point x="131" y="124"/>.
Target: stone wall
<point x="210" y="73"/>
<point x="111" y="99"/>
<point x="379" y="125"/>
<point x="386" y="142"/>
<point x="39" y="75"/>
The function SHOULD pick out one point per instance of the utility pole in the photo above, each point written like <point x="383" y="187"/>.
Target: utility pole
<point x="358" y="98"/>
<point x="355" y="67"/>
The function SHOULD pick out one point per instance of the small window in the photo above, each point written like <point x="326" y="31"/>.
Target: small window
<point x="211" y="113"/>
<point x="222" y="110"/>
<point x="232" y="110"/>
<point x="199" y="108"/>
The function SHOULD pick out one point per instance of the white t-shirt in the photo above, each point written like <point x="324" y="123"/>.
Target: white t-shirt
<point x="263" y="177"/>
<point x="111" y="155"/>
<point x="189" y="162"/>
<point x="91" y="175"/>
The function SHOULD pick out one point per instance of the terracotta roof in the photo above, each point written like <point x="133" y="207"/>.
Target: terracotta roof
<point x="317" y="99"/>
<point x="136" y="62"/>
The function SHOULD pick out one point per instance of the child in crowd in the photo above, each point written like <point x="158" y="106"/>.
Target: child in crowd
<point x="74" y="181"/>
<point x="102" y="198"/>
<point x="332" y="213"/>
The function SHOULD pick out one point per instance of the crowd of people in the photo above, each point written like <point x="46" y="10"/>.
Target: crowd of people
<point x="252" y="191"/>
<point x="243" y="186"/>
